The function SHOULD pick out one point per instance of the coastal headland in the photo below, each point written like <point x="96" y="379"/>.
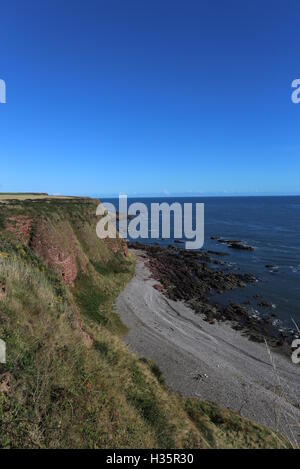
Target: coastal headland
<point x="69" y="380"/>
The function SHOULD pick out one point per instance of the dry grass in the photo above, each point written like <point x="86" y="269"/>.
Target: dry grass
<point x="5" y="197"/>
<point x="223" y="428"/>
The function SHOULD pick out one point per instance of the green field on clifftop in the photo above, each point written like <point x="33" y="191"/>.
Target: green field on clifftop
<point x="6" y="196"/>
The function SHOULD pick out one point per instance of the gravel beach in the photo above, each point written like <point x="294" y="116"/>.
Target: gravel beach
<point x="210" y="361"/>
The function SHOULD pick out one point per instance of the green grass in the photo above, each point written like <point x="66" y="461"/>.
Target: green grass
<point x="89" y="298"/>
<point x="223" y="428"/>
<point x="145" y="402"/>
<point x="116" y="265"/>
<point x="96" y="299"/>
<point x="155" y="370"/>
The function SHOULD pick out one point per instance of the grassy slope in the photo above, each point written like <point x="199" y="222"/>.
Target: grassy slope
<point x="57" y="390"/>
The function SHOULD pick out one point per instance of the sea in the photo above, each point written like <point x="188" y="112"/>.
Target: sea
<point x="271" y="225"/>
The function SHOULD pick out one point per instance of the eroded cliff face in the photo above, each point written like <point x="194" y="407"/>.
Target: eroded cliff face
<point x="60" y="238"/>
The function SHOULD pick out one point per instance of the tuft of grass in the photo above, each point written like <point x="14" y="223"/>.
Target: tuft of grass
<point x="116" y="265"/>
<point x="96" y="303"/>
<point x="223" y="428"/>
<point x="155" y="370"/>
<point x="89" y="298"/>
<point x="142" y="397"/>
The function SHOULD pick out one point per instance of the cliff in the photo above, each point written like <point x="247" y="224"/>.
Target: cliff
<point x="69" y="380"/>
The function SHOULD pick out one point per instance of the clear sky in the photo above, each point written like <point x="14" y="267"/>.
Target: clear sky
<point x="150" y="96"/>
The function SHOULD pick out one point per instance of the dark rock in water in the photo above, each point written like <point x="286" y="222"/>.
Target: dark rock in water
<point x="217" y="262"/>
<point x="228" y="241"/>
<point x="241" y="246"/>
<point x="235" y="244"/>
<point x="265" y="304"/>
<point x="218" y="253"/>
<point x="272" y="268"/>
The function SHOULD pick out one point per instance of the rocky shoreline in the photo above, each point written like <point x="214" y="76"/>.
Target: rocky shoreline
<point x="193" y="277"/>
<point x="206" y="360"/>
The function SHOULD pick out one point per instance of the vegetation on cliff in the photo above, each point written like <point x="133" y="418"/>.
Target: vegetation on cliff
<point x="69" y="380"/>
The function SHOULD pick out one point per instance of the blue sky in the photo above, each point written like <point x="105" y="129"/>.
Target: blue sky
<point x="150" y="96"/>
